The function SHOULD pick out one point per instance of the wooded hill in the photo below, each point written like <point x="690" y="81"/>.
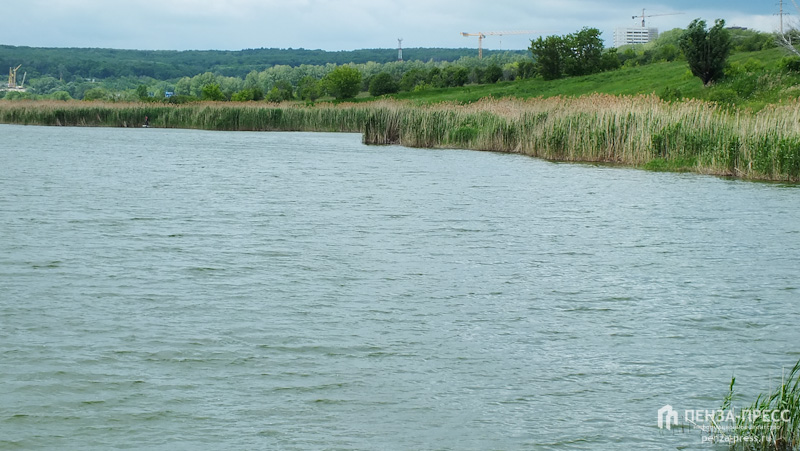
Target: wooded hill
<point x="67" y="63"/>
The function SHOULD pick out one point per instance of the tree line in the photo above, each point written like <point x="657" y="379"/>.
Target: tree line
<point x="303" y="81"/>
<point x="69" y="63"/>
<point x="347" y="81"/>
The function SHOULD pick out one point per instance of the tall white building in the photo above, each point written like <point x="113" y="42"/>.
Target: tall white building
<point x="636" y="35"/>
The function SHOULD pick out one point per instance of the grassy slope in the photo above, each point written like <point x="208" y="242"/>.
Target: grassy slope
<point x="636" y="80"/>
<point x="652" y="78"/>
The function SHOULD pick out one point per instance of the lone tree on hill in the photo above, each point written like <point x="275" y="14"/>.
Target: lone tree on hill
<point x="549" y="56"/>
<point x="706" y="50"/>
<point x="584" y="52"/>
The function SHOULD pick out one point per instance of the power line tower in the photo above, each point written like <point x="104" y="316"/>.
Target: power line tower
<point x="781" y="13"/>
<point x="785" y="35"/>
<point x="400" y="49"/>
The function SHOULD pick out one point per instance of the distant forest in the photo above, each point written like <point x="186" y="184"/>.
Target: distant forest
<point x="68" y="63"/>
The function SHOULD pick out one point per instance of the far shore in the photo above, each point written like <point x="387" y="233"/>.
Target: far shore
<point x="637" y="131"/>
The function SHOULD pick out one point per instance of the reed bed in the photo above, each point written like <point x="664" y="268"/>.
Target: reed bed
<point x="629" y="130"/>
<point x="205" y="116"/>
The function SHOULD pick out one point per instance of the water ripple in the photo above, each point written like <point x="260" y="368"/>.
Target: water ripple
<point x="199" y="290"/>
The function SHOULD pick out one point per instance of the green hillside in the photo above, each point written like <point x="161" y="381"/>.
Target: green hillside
<point x="756" y="78"/>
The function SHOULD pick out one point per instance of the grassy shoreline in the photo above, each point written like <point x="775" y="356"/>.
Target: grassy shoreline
<point x="639" y="131"/>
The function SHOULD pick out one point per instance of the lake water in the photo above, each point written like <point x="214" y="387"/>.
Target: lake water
<point x="178" y="289"/>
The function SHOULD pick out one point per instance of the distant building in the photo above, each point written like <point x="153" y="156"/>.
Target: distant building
<point x="636" y="35"/>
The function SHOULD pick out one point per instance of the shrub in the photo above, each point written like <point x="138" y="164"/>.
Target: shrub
<point x="456" y="75"/>
<point x="211" y="92"/>
<point x="309" y="88"/>
<point x="411" y="79"/>
<point x="723" y="94"/>
<point x="670" y="94"/>
<point x="60" y="95"/>
<point x="344" y="82"/>
<point x="790" y="64"/>
<point x="493" y="74"/>
<point x="282" y="91"/>
<point x="383" y="83"/>
<point x="95" y="94"/>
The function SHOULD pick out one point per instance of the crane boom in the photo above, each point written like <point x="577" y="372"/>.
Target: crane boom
<point x="12" y="79"/>
<point x="483" y="34"/>
<point x="12" y="76"/>
<point x="653" y="15"/>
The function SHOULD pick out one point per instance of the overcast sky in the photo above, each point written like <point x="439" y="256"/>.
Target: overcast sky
<point x="344" y="24"/>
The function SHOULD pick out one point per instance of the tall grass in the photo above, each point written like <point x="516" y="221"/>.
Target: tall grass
<point x="631" y="130"/>
<point x="207" y="116"/>
<point x="756" y="428"/>
<point x="638" y="130"/>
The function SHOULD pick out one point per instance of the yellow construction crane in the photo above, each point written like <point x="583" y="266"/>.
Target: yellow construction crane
<point x="12" y="76"/>
<point x="653" y="15"/>
<point x="483" y="34"/>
